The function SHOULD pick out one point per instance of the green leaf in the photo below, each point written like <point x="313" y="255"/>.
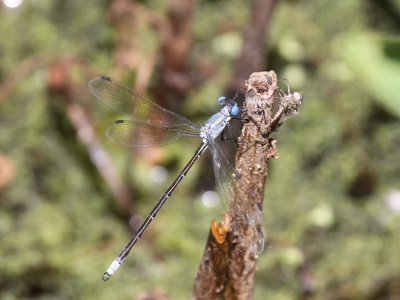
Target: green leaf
<point x="375" y="59"/>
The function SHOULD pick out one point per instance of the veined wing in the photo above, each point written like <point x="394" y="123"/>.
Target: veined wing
<point x="138" y="134"/>
<point x="247" y="222"/>
<point x="139" y="108"/>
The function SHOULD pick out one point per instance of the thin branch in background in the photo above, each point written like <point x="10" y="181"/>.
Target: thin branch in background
<point x="127" y="18"/>
<point x="61" y="82"/>
<point x="228" y="268"/>
<point x="388" y="8"/>
<point x="22" y="70"/>
<point x="8" y="171"/>
<point x="175" y="32"/>
<point x="252" y="54"/>
<point x="176" y="44"/>
<point x="157" y="294"/>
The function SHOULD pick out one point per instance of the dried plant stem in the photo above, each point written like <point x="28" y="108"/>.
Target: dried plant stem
<point x="228" y="268"/>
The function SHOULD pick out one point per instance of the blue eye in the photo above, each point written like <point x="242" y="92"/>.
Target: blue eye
<point x="222" y="100"/>
<point x="235" y="110"/>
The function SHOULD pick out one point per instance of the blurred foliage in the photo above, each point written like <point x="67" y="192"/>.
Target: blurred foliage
<point x="332" y="212"/>
<point x="381" y="75"/>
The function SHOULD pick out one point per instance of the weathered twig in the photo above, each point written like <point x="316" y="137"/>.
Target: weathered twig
<point x="228" y="266"/>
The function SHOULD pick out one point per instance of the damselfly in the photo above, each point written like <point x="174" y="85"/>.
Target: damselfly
<point x="151" y="125"/>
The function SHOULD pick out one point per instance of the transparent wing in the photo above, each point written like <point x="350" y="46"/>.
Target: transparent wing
<point x="137" y="134"/>
<point x="250" y="216"/>
<point x="140" y="109"/>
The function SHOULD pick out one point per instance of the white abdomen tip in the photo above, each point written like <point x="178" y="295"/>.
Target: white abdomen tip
<point x="111" y="270"/>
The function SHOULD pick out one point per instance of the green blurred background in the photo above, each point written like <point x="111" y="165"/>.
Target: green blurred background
<point x="69" y="197"/>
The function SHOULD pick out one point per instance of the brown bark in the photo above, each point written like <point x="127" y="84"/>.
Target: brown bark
<point x="228" y="266"/>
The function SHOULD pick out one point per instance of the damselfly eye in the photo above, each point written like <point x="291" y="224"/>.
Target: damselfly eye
<point x="235" y="110"/>
<point x="222" y="100"/>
